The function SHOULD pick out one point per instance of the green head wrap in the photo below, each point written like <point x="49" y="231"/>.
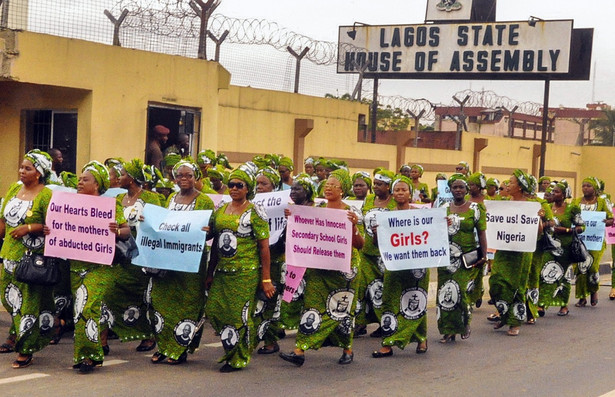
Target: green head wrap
<point x="260" y="161"/>
<point x="322" y="161"/>
<point x="271" y="174"/>
<point x="134" y="168"/>
<point x="365" y="177"/>
<point x="493" y="182"/>
<point x="402" y="178"/>
<point x="403" y="167"/>
<point x="190" y="164"/>
<point x="288" y="163"/>
<point x="568" y="191"/>
<point x="206" y="157"/>
<point x="383" y="175"/>
<point x="151" y="174"/>
<point x="41" y="162"/>
<point x="594" y="182"/>
<point x="306" y="182"/>
<point x="165" y="183"/>
<point x="244" y="174"/>
<point x="457" y="177"/>
<point x="563" y="185"/>
<point x="338" y="165"/>
<point x="216" y="172"/>
<point x="100" y="174"/>
<point x="477" y="178"/>
<point x="533" y="185"/>
<point x="465" y="165"/>
<point x="342" y="175"/>
<point x="69" y="179"/>
<point x="223" y="161"/>
<point x="171" y="159"/>
<point x="525" y="182"/>
<point x="602" y="185"/>
<point x="417" y="167"/>
<point x="543" y="178"/>
<point x="309" y="160"/>
<point x="273" y="160"/>
<point x="115" y="164"/>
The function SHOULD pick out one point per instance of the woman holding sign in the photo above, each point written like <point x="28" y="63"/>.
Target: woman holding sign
<point x="404" y="298"/>
<point x="177" y="298"/>
<point x="240" y="259"/>
<point x="329" y="296"/>
<point x="587" y="274"/>
<point x="94" y="284"/>
<point x="457" y="282"/>
<point x="510" y="270"/>
<point x="21" y="225"/>
<point x="133" y="282"/>
<point x="371" y="268"/>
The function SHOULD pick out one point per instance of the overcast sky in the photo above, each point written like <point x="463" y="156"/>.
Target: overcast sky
<point x="320" y="19"/>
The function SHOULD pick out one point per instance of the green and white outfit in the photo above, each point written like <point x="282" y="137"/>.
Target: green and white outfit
<point x="93" y="286"/>
<point x="538" y="260"/>
<point x="232" y="301"/>
<point x="587" y="273"/>
<point x="31" y="306"/>
<point x="557" y="270"/>
<point x="455" y="282"/>
<point x="329" y="306"/>
<point x="177" y="299"/>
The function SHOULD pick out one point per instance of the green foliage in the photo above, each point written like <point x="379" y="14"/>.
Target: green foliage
<point x="604" y="129"/>
<point x="389" y="118"/>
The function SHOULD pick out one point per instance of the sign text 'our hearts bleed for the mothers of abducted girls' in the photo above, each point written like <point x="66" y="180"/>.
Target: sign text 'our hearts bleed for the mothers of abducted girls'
<point x="79" y="227"/>
<point x="413" y="239"/>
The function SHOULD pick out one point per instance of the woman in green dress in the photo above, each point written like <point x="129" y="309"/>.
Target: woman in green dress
<point x="404" y="298"/>
<point x="177" y="299"/>
<point x="456" y="283"/>
<point x="21" y="225"/>
<point x="240" y="260"/>
<point x="371" y="269"/>
<point x="587" y="273"/>
<point x="361" y="185"/>
<point x="133" y="283"/>
<point x="510" y="270"/>
<point x="321" y="325"/>
<point x="420" y="190"/>
<point x="434" y="190"/>
<point x="92" y="284"/>
<point x="476" y="184"/>
<point x="557" y="269"/>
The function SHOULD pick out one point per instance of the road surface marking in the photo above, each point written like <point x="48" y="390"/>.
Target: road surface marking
<point x="21" y="378"/>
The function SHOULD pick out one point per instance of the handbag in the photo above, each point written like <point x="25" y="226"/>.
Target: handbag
<point x="37" y="269"/>
<point x="578" y="250"/>
<point x="548" y="243"/>
<point x="470" y="259"/>
<point x="125" y="250"/>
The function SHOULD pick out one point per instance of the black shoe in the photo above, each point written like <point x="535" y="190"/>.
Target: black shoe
<point x="146" y="345"/>
<point x="541" y="312"/>
<point x="297" y="359"/>
<point x="493" y="317"/>
<point x="106" y="350"/>
<point x="421" y="349"/>
<point x="226" y="368"/>
<point x="265" y="350"/>
<point x="281" y="334"/>
<point x="479" y="302"/>
<point x="346" y="358"/>
<point x="86" y="368"/>
<point x="360" y="330"/>
<point x="379" y="354"/>
<point x="377" y="333"/>
<point x="112" y="335"/>
<point x="491" y="302"/>
<point x="182" y="359"/>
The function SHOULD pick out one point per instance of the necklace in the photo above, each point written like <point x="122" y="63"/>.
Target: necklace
<point x="459" y="205"/>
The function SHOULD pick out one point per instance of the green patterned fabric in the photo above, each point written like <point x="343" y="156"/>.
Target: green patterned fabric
<point x="557" y="270"/>
<point x="132" y="284"/>
<point x="31" y="306"/>
<point x="174" y="312"/>
<point x="329" y="307"/>
<point x="371" y="268"/>
<point x="533" y="282"/>
<point x="456" y="284"/>
<point x="100" y="174"/>
<point x="93" y="286"/>
<point x="404" y="307"/>
<point x="232" y="298"/>
<point x="587" y="273"/>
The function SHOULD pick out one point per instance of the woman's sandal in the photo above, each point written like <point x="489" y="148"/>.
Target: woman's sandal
<point x="182" y="359"/>
<point x="612" y="294"/>
<point x="421" y="349"/>
<point x="581" y="303"/>
<point x="158" y="358"/>
<point x="493" y="317"/>
<point x="594" y="299"/>
<point x="563" y="312"/>
<point x="7" y="348"/>
<point x="531" y="321"/>
<point x="513" y="331"/>
<point x="17" y="364"/>
<point x="447" y="338"/>
<point x="499" y="325"/>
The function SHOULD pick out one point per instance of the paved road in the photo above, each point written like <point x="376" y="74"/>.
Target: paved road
<point x="569" y="356"/>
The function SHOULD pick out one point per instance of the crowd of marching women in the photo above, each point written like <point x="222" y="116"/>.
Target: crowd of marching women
<point x="239" y="284"/>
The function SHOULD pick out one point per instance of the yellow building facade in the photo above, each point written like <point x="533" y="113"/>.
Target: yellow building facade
<point x="115" y="95"/>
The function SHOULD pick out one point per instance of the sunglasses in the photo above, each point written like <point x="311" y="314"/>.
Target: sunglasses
<point x="501" y="188"/>
<point x="238" y="185"/>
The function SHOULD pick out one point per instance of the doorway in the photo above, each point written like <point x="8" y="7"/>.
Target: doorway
<point x="46" y="129"/>
<point x="179" y="120"/>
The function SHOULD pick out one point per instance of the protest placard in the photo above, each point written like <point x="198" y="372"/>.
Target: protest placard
<point x="610" y="235"/>
<point x="274" y="203"/>
<point x="444" y="194"/>
<point x="512" y="225"/>
<point x="319" y="238"/>
<point x="293" y="277"/>
<point x="79" y="227"/>
<point x="171" y="240"/>
<point x="413" y="239"/>
<point x="593" y="236"/>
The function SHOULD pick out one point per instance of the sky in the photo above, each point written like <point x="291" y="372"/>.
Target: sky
<point x="320" y="19"/>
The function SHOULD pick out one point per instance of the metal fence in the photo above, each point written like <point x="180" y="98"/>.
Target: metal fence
<point x="257" y="53"/>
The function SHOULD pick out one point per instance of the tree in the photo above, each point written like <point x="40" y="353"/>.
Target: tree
<point x="604" y="129"/>
<point x="389" y="118"/>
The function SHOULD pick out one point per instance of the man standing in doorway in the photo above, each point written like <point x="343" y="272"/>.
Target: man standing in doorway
<point x="158" y="137"/>
<point x="56" y="166"/>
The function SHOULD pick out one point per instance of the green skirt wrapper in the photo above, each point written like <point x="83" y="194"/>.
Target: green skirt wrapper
<point x="556" y="275"/>
<point x="290" y="312"/>
<point x="269" y="316"/>
<point x="31" y="308"/>
<point x="476" y="274"/>
<point x="508" y="284"/>
<point x="532" y="294"/>
<point x="369" y="289"/>
<point x="177" y="302"/>
<point x="404" y="307"/>
<point x="230" y="308"/>
<point x="455" y="299"/>
<point x="588" y="274"/>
